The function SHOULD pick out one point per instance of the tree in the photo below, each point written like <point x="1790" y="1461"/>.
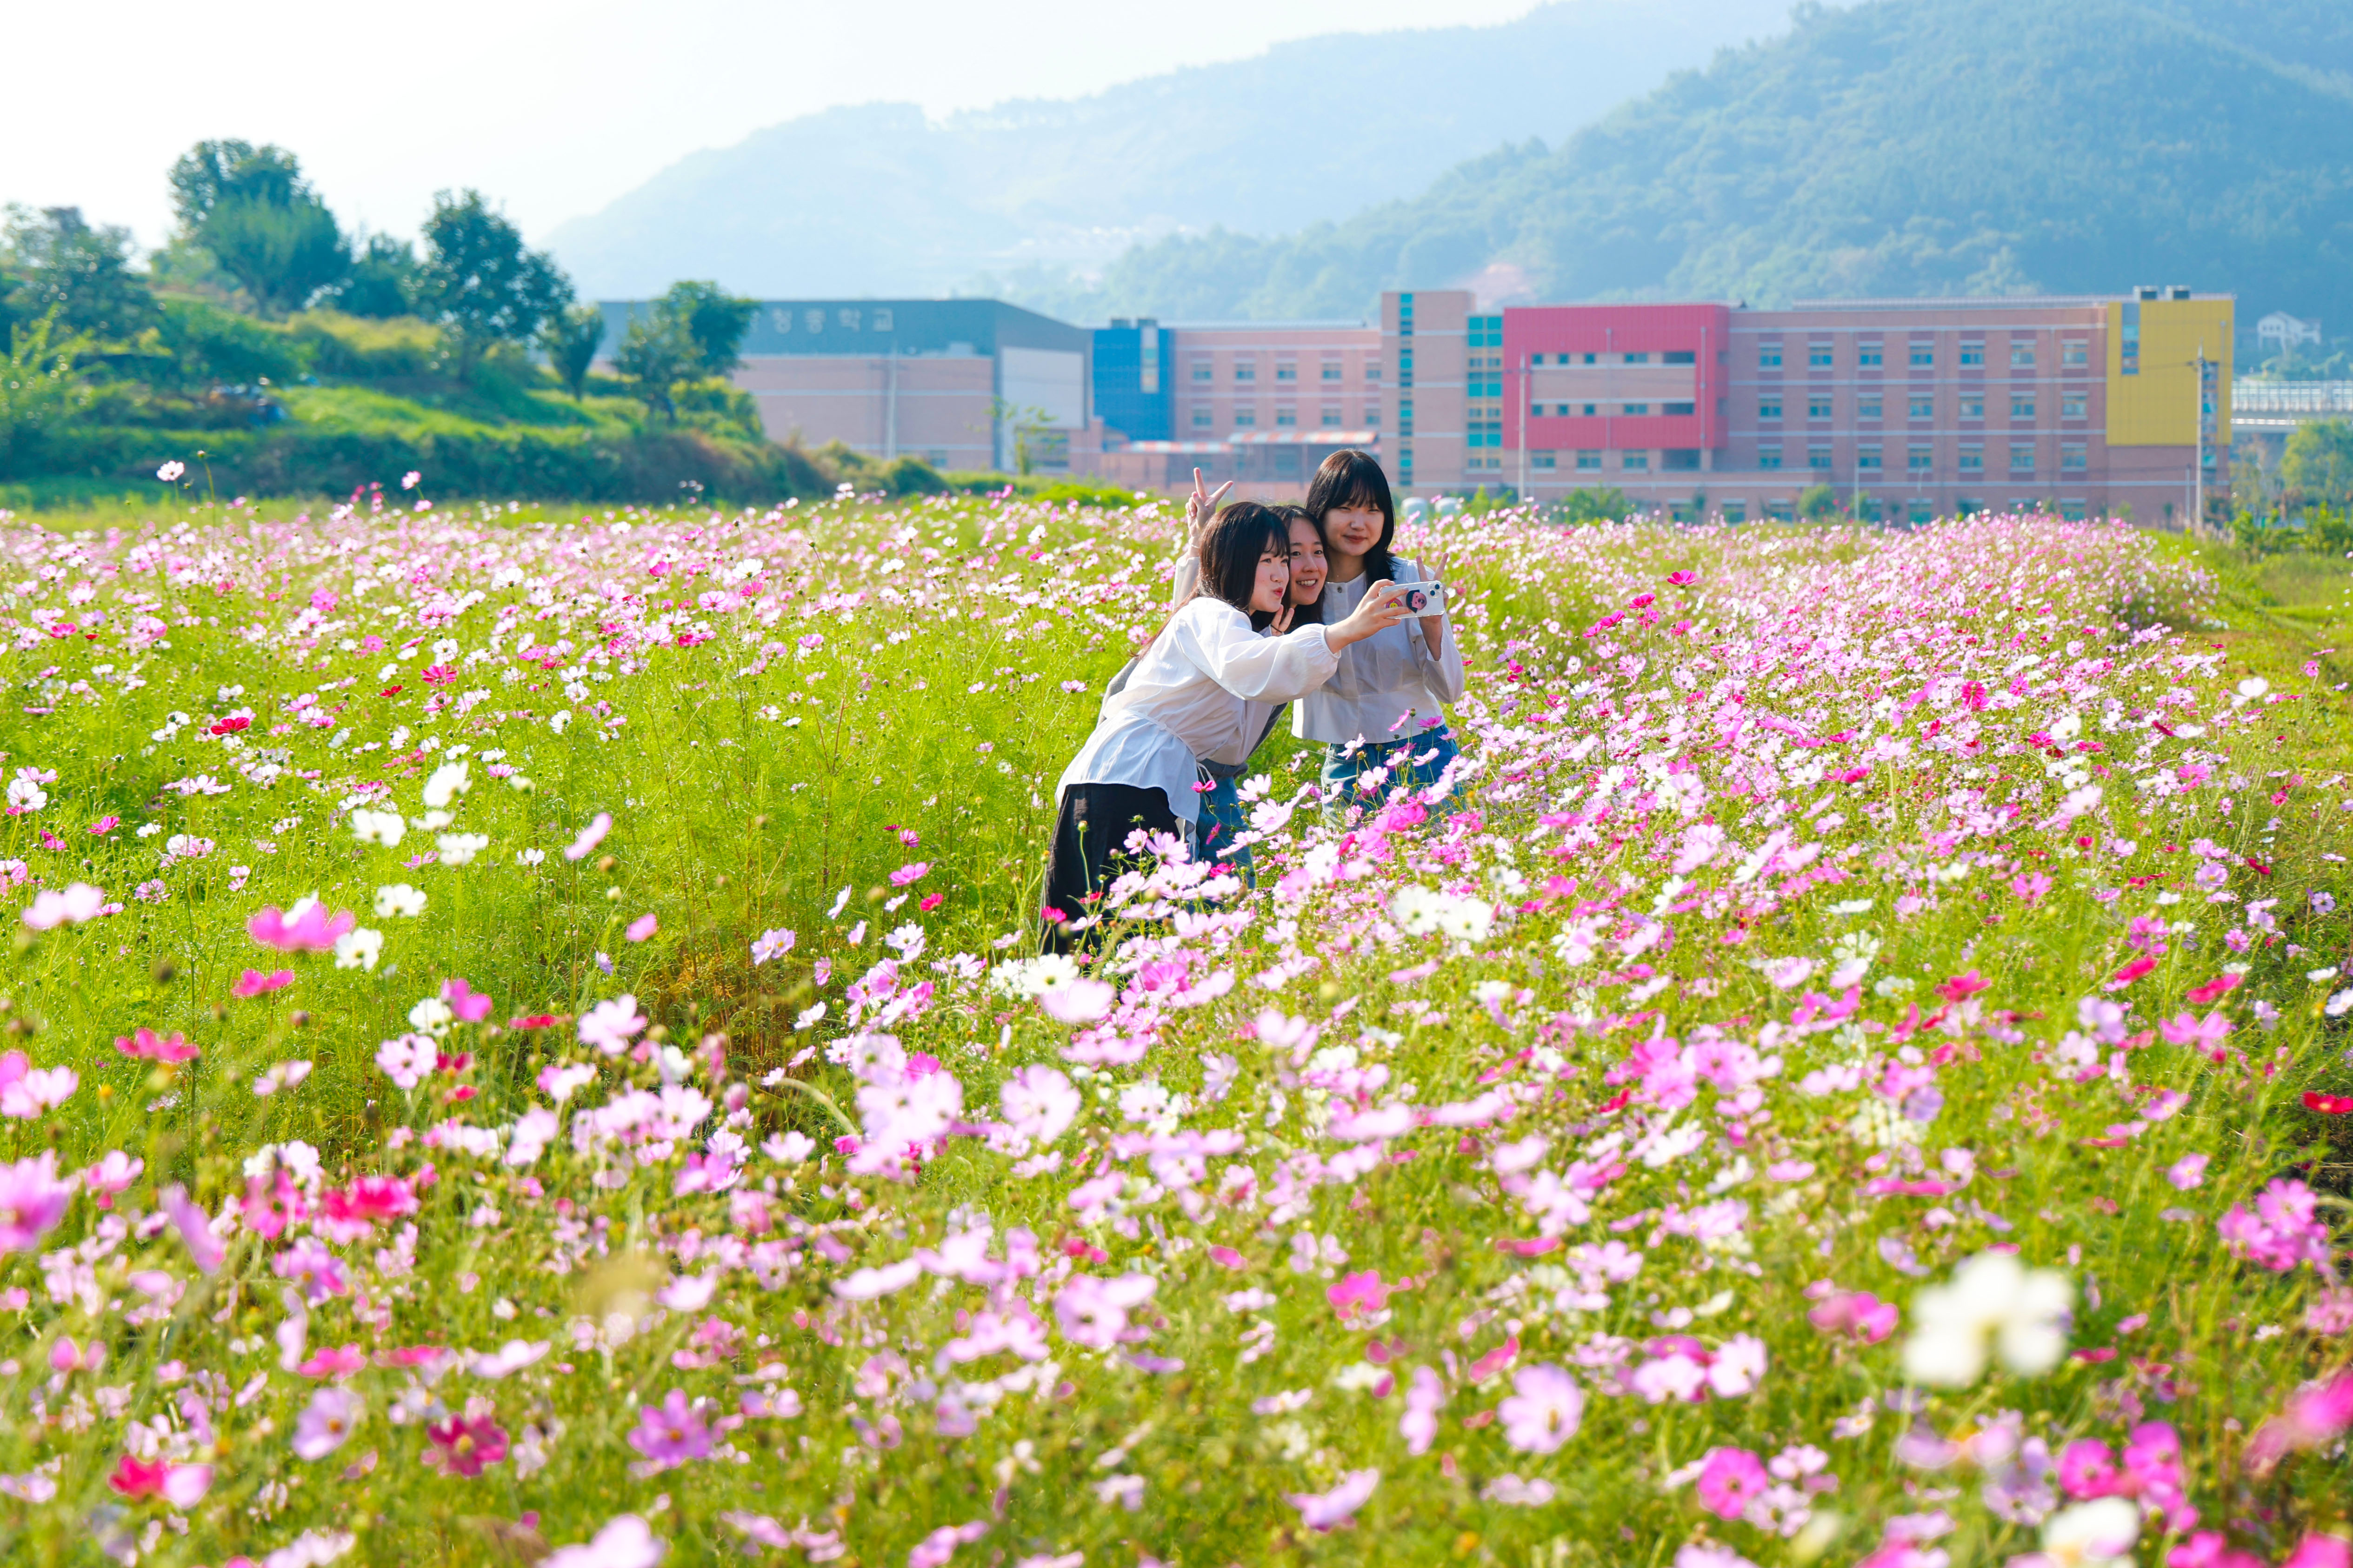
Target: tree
<point x="480" y="282"/>
<point x="252" y="209"/>
<point x="2319" y="462"/>
<point x="1818" y="503"/>
<point x="656" y="353"/>
<point x="1596" y="504"/>
<point x="381" y="282"/>
<point x="39" y="389"/>
<point x="572" y="337"/>
<point x="76" y="274"/>
<point x="714" y="319"/>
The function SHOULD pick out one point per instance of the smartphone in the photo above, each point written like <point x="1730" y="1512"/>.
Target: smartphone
<point x="1420" y="598"/>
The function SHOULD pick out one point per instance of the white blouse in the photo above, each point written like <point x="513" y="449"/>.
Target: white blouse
<point x="1200" y="690"/>
<point x="1383" y="678"/>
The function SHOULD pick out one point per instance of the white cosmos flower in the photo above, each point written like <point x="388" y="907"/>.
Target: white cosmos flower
<point x="460" y="849"/>
<point x="398" y="898"/>
<point x="2024" y="1312"/>
<point x="359" y="949"/>
<point x="447" y="782"/>
<point x="2095" y="1535"/>
<point x="383" y="827"/>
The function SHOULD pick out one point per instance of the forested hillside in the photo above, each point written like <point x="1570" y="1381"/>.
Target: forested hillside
<point x="1903" y="147"/>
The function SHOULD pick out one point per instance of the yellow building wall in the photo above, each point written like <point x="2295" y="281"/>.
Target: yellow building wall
<point x="2158" y="408"/>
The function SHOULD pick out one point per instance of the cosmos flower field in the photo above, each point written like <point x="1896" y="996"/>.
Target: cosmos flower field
<point x="524" y="1043"/>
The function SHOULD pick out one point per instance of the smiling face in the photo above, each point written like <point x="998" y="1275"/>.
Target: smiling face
<point x="1308" y="567"/>
<point x="1273" y="582"/>
<point x="1353" y="530"/>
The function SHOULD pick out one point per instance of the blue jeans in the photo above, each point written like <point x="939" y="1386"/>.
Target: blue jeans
<point x="1410" y="762"/>
<point x="1223" y="819"/>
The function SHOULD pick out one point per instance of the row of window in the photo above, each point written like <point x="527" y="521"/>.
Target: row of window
<point x="1921" y="460"/>
<point x="1284" y="370"/>
<point x="2072" y="405"/>
<point x="1672" y="356"/>
<point x="1596" y="410"/>
<point x="1206" y="418"/>
<point x="2073" y="354"/>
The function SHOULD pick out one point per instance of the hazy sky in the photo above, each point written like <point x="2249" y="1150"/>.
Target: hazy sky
<point x="553" y="109"/>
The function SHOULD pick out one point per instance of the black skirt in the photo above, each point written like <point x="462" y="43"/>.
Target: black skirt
<point x="1090" y="851"/>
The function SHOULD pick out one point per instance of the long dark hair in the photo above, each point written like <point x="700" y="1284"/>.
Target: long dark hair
<point x="1306" y="614"/>
<point x="1352" y="478"/>
<point x="1231" y="547"/>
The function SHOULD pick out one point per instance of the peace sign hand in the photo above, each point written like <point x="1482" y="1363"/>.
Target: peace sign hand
<point x="1201" y="506"/>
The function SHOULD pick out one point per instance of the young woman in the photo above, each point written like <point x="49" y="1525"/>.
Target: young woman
<point x="1384" y="709"/>
<point x="1190" y="695"/>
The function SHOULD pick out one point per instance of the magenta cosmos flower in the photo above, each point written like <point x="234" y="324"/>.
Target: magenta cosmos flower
<point x="32" y="1201"/>
<point x="467" y="1448"/>
<point x="671" y="1433"/>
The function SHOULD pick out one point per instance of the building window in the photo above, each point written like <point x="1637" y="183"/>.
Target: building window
<point x="1818" y="459"/>
<point x="2021" y="459"/>
<point x="1634" y="462"/>
<point x="1331" y="369"/>
<point x="2022" y="408"/>
<point x="1769" y="409"/>
<point x="1920" y="460"/>
<point x="1866" y="459"/>
<point x="1638" y="409"/>
<point x="1868" y="354"/>
<point x="1921" y="511"/>
<point x="1769" y="357"/>
<point x="1286" y="370"/>
<point x="1203" y="418"/>
<point x="1244" y="418"/>
<point x="1547" y="461"/>
<point x="1735" y="511"/>
<point x="1680" y="459"/>
<point x="1638" y="359"/>
<point x="1868" y="408"/>
<point x="1972" y="353"/>
<point x="1589" y="462"/>
<point x="1203" y="371"/>
<point x="2074" y="353"/>
<point x="2073" y="405"/>
<point x="1372" y="416"/>
<point x="1972" y="407"/>
<point x="1924" y="353"/>
<point x="2021" y="356"/>
<point x="1818" y="356"/>
<point x="2075" y="457"/>
<point x="1972" y="459"/>
<point x="1331" y="417"/>
<point x="1679" y="356"/>
<point x="1818" y="408"/>
<point x="1768" y="458"/>
<point x="1924" y="408"/>
<point x="1245" y="370"/>
<point x="1372" y="370"/>
<point x="2072" y="511"/>
<point x="1782" y="512"/>
<point x="1287" y="418"/>
<point x="1673" y="408"/>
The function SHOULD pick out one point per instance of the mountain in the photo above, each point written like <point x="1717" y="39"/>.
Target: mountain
<point x="1900" y="147"/>
<point x="877" y="200"/>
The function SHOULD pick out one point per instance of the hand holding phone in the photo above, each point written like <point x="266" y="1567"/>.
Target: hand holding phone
<point x="1419" y="599"/>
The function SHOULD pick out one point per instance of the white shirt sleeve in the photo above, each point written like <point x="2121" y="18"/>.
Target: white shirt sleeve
<point x="1218" y="640"/>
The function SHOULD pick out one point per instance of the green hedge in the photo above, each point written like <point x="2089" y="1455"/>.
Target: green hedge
<point x="506" y="464"/>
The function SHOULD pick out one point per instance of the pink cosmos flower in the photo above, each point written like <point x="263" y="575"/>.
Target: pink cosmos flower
<point x="326" y="1423"/>
<point x="469" y="1005"/>
<point x="1544" y="1411"/>
<point x="317" y="1273"/>
<point x="644" y="926"/>
<point x="2280" y="1232"/>
<point x="77" y="905"/>
<point x="1728" y="1478"/>
<point x="253" y="983"/>
<point x="105" y="824"/>
<point x="112" y="1175"/>
<point x="1359" y="1294"/>
<point x="910" y="872"/>
<point x="1857" y="1313"/>
<point x="306" y="929"/>
<point x="627" y="1543"/>
<point x="611" y="1024"/>
<point x="2312" y="1418"/>
<point x="195" y="1230"/>
<point x="936" y="1549"/>
<point x="466" y="1448"/>
<point x="770" y="944"/>
<point x="148" y="1045"/>
<point x="182" y="1485"/>
<point x="334" y="1362"/>
<point x="1080" y="1002"/>
<point x="1424" y="1397"/>
<point x="26" y="1091"/>
<point x="2319" y="1551"/>
<point x="32" y="1201"/>
<point x="670" y="1433"/>
<point x="1329" y="1510"/>
<point x="1092" y="1312"/>
<point x="1039" y="1104"/>
<point x="581" y="848"/>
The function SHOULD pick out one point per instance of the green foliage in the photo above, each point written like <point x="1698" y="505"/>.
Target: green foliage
<point x="479" y="281"/>
<point x="355" y="348"/>
<point x="78" y="273"/>
<point x="656" y="353"/>
<point x="570" y="337"/>
<point x="253" y="212"/>
<point x="714" y="321"/>
<point x="2318" y="462"/>
<point x="1793" y="168"/>
<point x="381" y="282"/>
<point x="1596" y="503"/>
<point x="39" y="389"/>
<point x="207" y="342"/>
<point x="1818" y="503"/>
